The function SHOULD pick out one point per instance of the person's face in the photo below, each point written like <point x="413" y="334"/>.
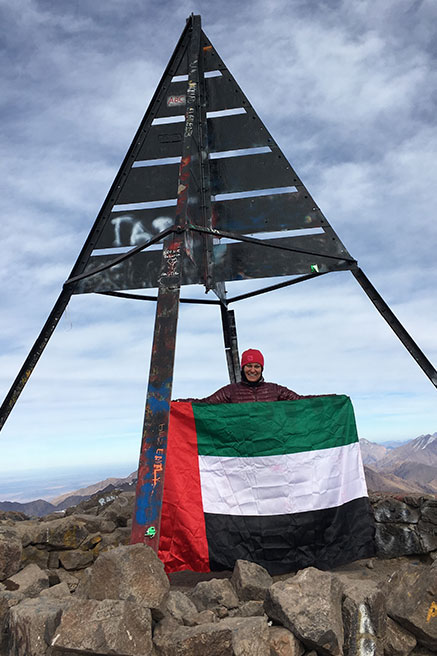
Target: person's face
<point x="252" y="371"/>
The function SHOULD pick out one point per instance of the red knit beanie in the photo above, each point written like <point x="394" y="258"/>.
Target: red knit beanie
<point x="252" y="355"/>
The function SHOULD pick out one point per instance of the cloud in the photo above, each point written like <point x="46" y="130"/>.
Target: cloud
<point x="347" y="92"/>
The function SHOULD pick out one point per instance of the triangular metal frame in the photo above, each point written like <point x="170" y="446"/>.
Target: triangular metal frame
<point x="190" y="180"/>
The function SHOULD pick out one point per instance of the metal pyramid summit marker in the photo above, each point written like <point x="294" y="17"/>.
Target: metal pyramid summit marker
<point x="201" y="141"/>
<point x="204" y="196"/>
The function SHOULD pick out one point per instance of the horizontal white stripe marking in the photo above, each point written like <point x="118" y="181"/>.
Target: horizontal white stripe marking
<point x="285" y="484"/>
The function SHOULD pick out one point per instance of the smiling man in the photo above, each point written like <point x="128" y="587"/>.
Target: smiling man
<point x="253" y="386"/>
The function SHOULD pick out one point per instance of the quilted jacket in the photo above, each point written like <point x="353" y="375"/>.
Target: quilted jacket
<point x="245" y="393"/>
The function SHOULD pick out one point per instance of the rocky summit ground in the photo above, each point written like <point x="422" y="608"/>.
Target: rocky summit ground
<point x="70" y="584"/>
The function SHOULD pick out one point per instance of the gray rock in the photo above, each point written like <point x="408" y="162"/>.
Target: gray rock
<point x="12" y="598"/>
<point x="204" y="617"/>
<point x="428" y="511"/>
<point x="21" y="531"/>
<point x="412" y="602"/>
<point x="62" y="533"/>
<point x="213" y="594"/>
<point x="230" y="637"/>
<point x="180" y="606"/>
<point x="57" y="591"/>
<point x="394" y="540"/>
<point x="364" y="617"/>
<point x="393" y="510"/>
<point x="171" y="639"/>
<point x="10" y="554"/>
<point x="117" y="538"/>
<point x="121" y="509"/>
<point x="53" y="560"/>
<point x="284" y="643"/>
<point x="32" y="554"/>
<point x="104" y="627"/>
<point x="132" y="573"/>
<point x="75" y="559"/>
<point x="251" y="581"/>
<point x="96" y="524"/>
<point x="428" y="535"/>
<point x="71" y="580"/>
<point x="252" y="608"/>
<point x="398" y="641"/>
<point x="32" y="624"/>
<point x="7" y="601"/>
<point x="30" y="581"/>
<point x="309" y="605"/>
<point x="250" y="635"/>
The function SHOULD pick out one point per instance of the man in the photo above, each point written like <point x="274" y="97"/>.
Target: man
<point x="253" y="386"/>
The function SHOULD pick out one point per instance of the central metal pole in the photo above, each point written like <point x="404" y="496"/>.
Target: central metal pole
<point x="150" y="484"/>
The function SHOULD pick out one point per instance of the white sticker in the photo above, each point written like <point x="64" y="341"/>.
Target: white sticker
<point x="176" y="101"/>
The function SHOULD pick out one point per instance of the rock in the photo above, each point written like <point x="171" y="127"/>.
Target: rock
<point x="171" y="639"/>
<point x="394" y="540"/>
<point x="32" y="625"/>
<point x="62" y="533"/>
<point x="284" y="643"/>
<point x="204" y="617"/>
<point x="75" y="559"/>
<point x="30" y="581"/>
<point x="132" y="573"/>
<point x="213" y="594"/>
<point x="412" y="602"/>
<point x="253" y="608"/>
<point x="121" y="509"/>
<point x="96" y="524"/>
<point x="10" y="554"/>
<point x="53" y="577"/>
<point x="57" y="591"/>
<point x="428" y="535"/>
<point x="230" y="637"/>
<point x="364" y="617"/>
<point x="393" y="510"/>
<point x="70" y="580"/>
<point x="250" y="635"/>
<point x="251" y="581"/>
<point x="23" y="531"/>
<point x="53" y="560"/>
<point x="398" y="641"/>
<point x="428" y="511"/>
<point x="117" y="538"/>
<point x="309" y="605"/>
<point x="180" y="606"/>
<point x="104" y="627"/>
<point x="34" y="555"/>
<point x="12" y="515"/>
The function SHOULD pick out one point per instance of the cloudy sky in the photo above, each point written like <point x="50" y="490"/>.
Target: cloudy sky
<point x="348" y="90"/>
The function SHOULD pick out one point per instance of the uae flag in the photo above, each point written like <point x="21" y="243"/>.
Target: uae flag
<point x="277" y="483"/>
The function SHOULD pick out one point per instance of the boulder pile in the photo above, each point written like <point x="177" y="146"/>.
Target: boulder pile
<point x="71" y="584"/>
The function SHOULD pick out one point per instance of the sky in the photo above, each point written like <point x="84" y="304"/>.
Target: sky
<point x="347" y="89"/>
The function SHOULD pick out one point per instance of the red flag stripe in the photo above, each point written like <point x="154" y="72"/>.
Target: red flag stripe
<point x="183" y="533"/>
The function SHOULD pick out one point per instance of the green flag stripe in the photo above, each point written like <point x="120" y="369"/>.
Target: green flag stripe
<point x="274" y="428"/>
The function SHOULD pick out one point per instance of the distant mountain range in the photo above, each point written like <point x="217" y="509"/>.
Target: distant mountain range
<point x="39" y="508"/>
<point x="410" y="468"/>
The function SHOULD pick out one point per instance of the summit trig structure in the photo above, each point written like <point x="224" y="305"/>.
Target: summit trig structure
<point x="206" y="181"/>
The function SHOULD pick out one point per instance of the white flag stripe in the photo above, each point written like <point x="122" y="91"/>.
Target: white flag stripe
<point x="284" y="484"/>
